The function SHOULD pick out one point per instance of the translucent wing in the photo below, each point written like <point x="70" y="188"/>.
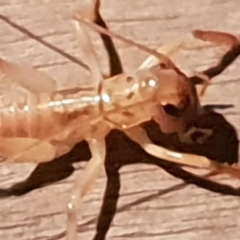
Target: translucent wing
<point x="34" y="81"/>
<point x="14" y="81"/>
<point x="14" y="149"/>
<point x="19" y="82"/>
<point x="88" y="10"/>
<point x="88" y="50"/>
<point x="87" y="62"/>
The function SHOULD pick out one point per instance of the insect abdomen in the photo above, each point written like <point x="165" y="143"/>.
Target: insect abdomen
<point x="42" y="115"/>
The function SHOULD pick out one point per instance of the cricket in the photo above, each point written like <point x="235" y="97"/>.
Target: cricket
<point x="39" y="122"/>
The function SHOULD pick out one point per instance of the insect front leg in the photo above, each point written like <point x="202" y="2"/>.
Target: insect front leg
<point x="139" y="135"/>
<point x="219" y="38"/>
<point x="168" y="49"/>
<point x="83" y="184"/>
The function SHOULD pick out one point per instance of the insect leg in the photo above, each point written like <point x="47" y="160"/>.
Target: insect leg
<point x="88" y="50"/>
<point x="205" y="76"/>
<point x="161" y="57"/>
<point x="84" y="183"/>
<point x="172" y="47"/>
<point x="219" y="38"/>
<point x="139" y="135"/>
<point x="168" y="49"/>
<point x="86" y="45"/>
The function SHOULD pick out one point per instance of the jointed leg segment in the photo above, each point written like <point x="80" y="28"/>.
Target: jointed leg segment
<point x="219" y="38"/>
<point x="139" y="135"/>
<point x="83" y="183"/>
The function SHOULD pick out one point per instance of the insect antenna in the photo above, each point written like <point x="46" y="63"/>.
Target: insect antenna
<point x="162" y="58"/>
<point x="44" y="42"/>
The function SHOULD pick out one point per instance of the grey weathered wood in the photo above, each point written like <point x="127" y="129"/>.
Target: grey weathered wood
<point x="190" y="213"/>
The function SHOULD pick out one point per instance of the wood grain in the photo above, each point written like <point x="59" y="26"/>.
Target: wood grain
<point x="152" y="204"/>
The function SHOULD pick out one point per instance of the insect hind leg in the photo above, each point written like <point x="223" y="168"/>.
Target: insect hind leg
<point x="139" y="136"/>
<point x="83" y="183"/>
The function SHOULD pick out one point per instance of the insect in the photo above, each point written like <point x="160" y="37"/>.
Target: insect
<point x="157" y="90"/>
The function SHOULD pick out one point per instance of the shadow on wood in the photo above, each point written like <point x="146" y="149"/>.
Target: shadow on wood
<point x="222" y="147"/>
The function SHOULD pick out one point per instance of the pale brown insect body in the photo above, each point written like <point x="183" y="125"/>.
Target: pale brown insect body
<point x="122" y="102"/>
<point x="38" y="122"/>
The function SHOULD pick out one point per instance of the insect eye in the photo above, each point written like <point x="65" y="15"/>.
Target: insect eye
<point x="173" y="110"/>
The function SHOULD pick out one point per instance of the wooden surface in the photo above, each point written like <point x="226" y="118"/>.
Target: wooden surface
<point x="152" y="205"/>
